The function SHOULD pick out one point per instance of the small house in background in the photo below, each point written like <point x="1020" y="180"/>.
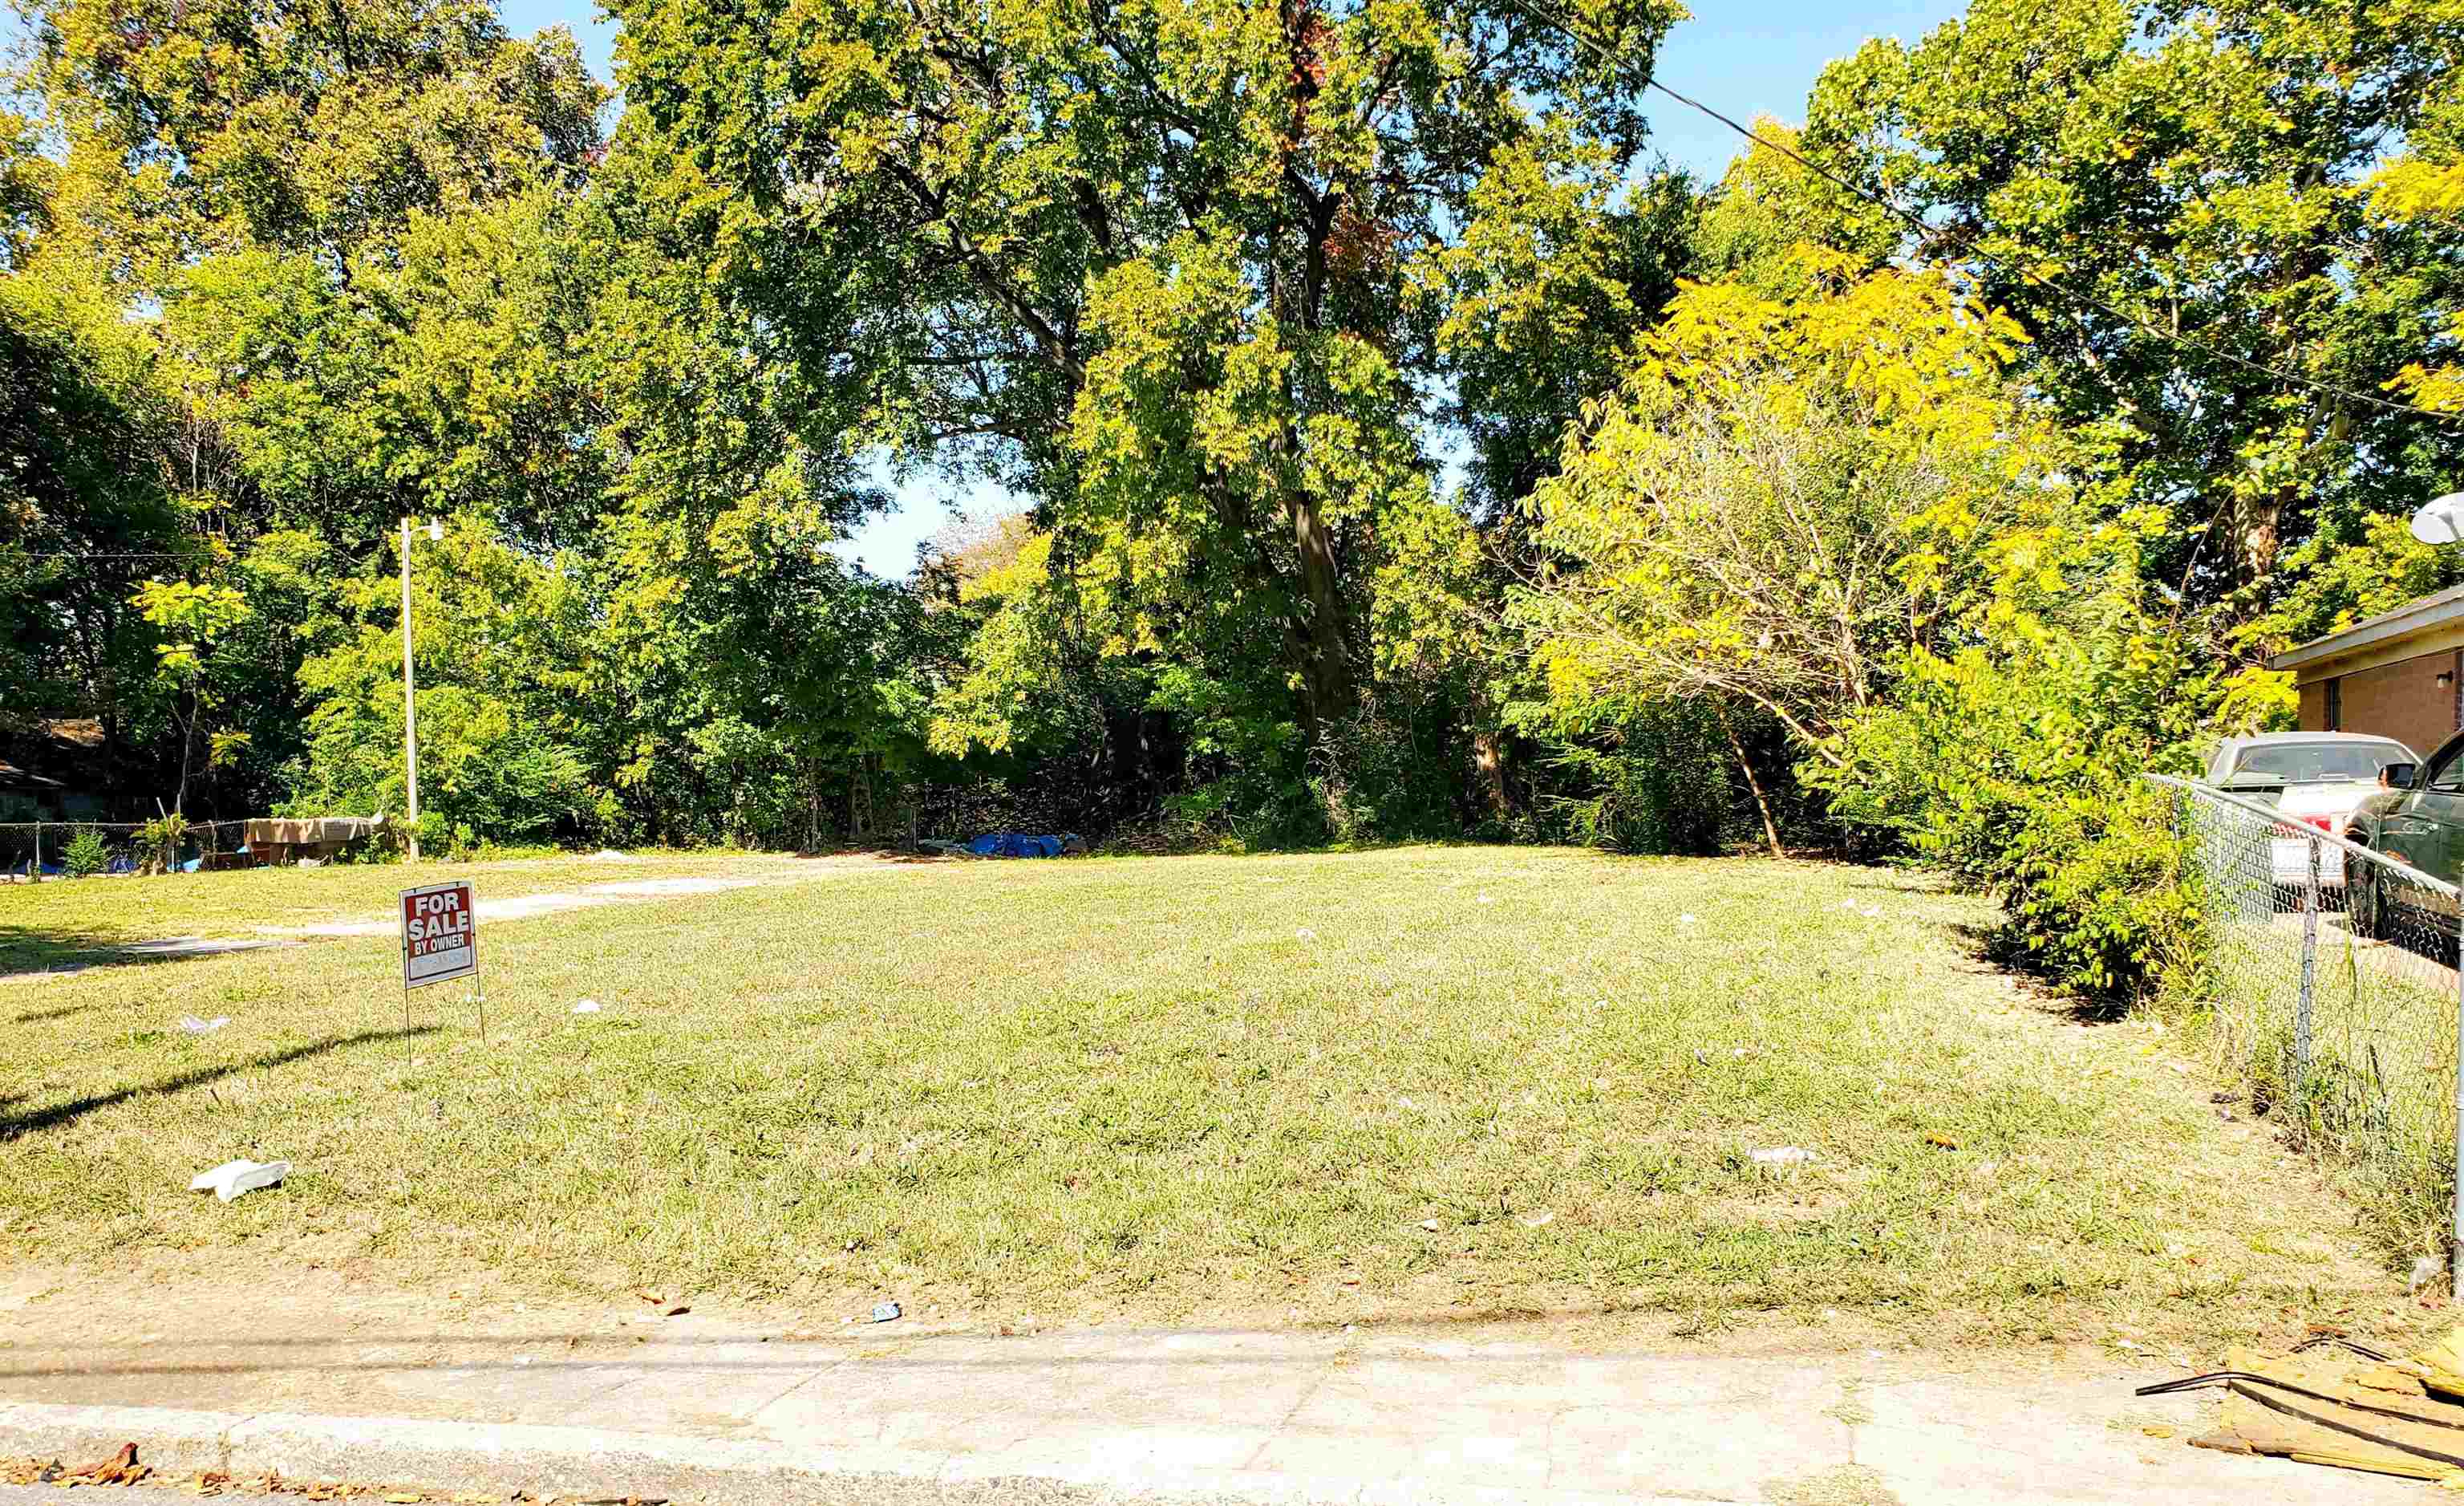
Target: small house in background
<point x="2399" y="675"/>
<point x="54" y="772"/>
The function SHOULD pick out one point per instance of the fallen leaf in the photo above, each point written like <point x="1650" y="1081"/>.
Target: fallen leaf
<point x="651" y="1298"/>
<point x="678" y="1311"/>
<point x="107" y="1471"/>
<point x="1942" y="1140"/>
<point x="2157" y="1431"/>
<point x="404" y="1498"/>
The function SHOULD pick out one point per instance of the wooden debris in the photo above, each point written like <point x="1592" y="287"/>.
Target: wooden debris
<point x="2376" y="1418"/>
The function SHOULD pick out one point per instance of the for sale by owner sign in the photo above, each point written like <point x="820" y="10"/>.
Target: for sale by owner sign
<point x="440" y="934"/>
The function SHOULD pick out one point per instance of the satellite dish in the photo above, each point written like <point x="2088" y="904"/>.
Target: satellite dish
<point x="2442" y="521"/>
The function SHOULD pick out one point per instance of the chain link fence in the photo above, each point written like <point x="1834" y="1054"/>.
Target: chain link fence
<point x="29" y="848"/>
<point x="2329" y="971"/>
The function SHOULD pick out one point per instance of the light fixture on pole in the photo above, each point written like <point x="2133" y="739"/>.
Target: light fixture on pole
<point x="410" y="703"/>
<point x="2441" y="521"/>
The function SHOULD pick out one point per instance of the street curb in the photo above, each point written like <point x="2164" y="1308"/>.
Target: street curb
<point x="595" y="1462"/>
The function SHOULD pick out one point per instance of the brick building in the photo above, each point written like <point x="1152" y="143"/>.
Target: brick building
<point x="2399" y="675"/>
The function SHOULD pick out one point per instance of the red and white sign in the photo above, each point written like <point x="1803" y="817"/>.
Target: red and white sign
<point x="440" y="934"/>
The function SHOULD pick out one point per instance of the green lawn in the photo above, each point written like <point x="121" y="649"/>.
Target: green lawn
<point x="1415" y="1082"/>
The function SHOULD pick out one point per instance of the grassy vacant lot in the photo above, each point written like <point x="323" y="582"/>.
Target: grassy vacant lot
<point x="1420" y="1081"/>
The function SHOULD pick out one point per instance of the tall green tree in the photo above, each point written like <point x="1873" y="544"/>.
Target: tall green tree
<point x="194" y="129"/>
<point x="85" y="510"/>
<point x="2198" y="171"/>
<point x="1149" y="261"/>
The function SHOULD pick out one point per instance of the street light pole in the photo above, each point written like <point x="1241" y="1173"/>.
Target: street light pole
<point x="2442" y="521"/>
<point x="409" y="701"/>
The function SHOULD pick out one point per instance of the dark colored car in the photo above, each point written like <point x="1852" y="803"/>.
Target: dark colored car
<point x="2417" y="818"/>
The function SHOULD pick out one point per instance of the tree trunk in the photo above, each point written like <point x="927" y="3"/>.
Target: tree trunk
<point x="1771" y="828"/>
<point x="1488" y="759"/>
<point x="2259" y="520"/>
<point x="187" y="747"/>
<point x="1325" y="670"/>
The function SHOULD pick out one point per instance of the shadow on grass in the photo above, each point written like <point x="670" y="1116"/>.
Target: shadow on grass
<point x="2000" y="948"/>
<point x="28" y="955"/>
<point x="15" y="1125"/>
<point x="34" y="949"/>
<point x="39" y="1016"/>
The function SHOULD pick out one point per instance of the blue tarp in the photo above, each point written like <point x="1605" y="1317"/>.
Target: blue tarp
<point x="1014" y="844"/>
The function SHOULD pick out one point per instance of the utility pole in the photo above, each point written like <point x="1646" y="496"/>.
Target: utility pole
<point x="409" y="701"/>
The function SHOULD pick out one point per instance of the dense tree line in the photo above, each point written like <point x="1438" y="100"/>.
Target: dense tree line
<point x="1404" y="451"/>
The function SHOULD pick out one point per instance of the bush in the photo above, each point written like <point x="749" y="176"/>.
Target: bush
<point x="1384" y="777"/>
<point x="488" y="770"/>
<point x="158" y="841"/>
<point x="85" y="856"/>
<point x="1660" y="781"/>
<point x="2020" y="772"/>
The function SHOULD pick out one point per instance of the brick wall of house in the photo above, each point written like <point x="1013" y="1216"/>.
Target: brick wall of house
<point x="2401" y="700"/>
<point x="2314" y="708"/>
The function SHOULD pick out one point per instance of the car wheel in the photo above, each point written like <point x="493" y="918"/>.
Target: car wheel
<point x="2363" y="902"/>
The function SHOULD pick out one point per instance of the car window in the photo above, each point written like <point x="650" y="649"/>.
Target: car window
<point x="2311" y="763"/>
<point x="2446" y="771"/>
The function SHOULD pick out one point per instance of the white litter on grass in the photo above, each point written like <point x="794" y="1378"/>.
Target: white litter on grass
<point x="1305" y="934"/>
<point x="1783" y="1156"/>
<point x="1486" y="899"/>
<point x="197" y="1027"/>
<point x="1870" y="913"/>
<point x="609" y="855"/>
<point x="1685" y="920"/>
<point x="2425" y="1271"/>
<point x="1429" y="1224"/>
<point x="1538" y="1220"/>
<point x="232" y="1177"/>
<point x="587" y="1006"/>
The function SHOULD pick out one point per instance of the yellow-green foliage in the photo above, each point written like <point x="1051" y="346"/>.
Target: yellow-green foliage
<point x="1793" y="488"/>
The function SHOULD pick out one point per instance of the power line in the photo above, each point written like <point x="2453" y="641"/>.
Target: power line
<point x="68" y="554"/>
<point x="1937" y="232"/>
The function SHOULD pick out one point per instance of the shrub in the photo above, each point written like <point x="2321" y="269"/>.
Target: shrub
<point x="1660" y="780"/>
<point x="85" y="856"/>
<point x="1383" y="776"/>
<point x="159" y="841"/>
<point x="2018" y="772"/>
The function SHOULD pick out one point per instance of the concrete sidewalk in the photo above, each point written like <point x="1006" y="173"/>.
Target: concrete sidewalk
<point x="703" y="1409"/>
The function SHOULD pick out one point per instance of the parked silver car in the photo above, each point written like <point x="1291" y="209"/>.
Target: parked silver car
<point x="2316" y="778"/>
